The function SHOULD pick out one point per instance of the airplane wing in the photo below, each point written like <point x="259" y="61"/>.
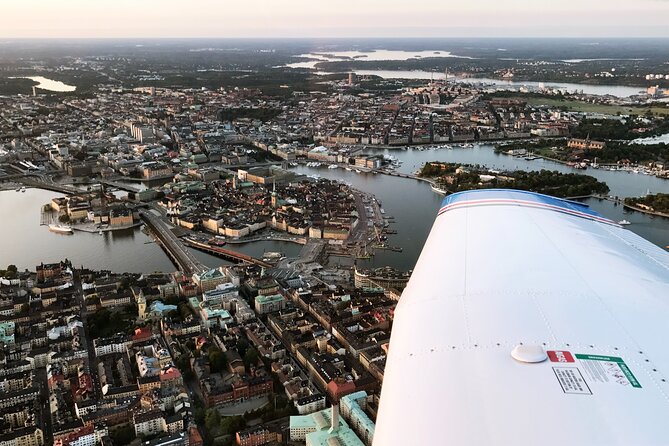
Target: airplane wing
<point x="529" y="320"/>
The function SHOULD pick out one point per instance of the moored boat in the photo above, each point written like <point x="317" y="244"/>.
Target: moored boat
<point x="60" y="229"/>
<point x="438" y="190"/>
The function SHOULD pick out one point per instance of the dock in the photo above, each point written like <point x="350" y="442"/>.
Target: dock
<point x="47" y="217"/>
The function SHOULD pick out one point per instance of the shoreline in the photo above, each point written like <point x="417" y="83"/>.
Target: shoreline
<point x="645" y="211"/>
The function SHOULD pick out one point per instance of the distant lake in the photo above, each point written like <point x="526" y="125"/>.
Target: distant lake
<point x="48" y="84"/>
<point x="620" y="91"/>
<point x="375" y="55"/>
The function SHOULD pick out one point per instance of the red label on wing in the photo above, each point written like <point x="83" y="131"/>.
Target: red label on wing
<point x="560" y="356"/>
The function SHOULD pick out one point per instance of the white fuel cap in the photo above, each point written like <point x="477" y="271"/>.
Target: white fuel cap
<point x="529" y="353"/>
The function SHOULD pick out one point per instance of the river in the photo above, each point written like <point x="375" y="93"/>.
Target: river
<point x="26" y="243"/>
<point x="612" y="90"/>
<point x="412" y="204"/>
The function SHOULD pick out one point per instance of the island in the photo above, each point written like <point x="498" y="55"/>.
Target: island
<point x="655" y="204"/>
<point x="454" y="177"/>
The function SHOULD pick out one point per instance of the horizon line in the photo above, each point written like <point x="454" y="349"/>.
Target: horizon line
<point x="617" y="37"/>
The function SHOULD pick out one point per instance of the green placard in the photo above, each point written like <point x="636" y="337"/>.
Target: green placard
<point x="621" y="363"/>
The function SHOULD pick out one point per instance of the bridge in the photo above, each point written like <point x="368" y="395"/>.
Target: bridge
<point x="182" y="257"/>
<point x="40" y="184"/>
<point x="226" y="253"/>
<point x="118" y="185"/>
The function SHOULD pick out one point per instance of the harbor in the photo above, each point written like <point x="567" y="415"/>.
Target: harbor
<point x="409" y="205"/>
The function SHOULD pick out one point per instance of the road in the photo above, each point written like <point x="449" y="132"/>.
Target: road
<point x="184" y="259"/>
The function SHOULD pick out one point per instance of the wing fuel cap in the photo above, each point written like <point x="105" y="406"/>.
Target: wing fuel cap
<point x="529" y="353"/>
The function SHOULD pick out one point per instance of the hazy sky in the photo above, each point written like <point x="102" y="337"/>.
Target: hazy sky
<point x="333" y="18"/>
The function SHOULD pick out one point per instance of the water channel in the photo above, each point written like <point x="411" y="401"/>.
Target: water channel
<point x="412" y="204"/>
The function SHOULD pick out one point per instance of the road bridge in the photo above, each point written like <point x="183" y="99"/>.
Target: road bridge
<point x="118" y="185"/>
<point x="180" y="255"/>
<point x="40" y="184"/>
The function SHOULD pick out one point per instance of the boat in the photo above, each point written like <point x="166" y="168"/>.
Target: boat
<point x="332" y="166"/>
<point x="60" y="229"/>
<point x="216" y="241"/>
<point x="438" y="190"/>
<point x="624" y="222"/>
<point x="270" y="255"/>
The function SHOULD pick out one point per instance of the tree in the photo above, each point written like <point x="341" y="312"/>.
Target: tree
<point x="212" y="419"/>
<point x="217" y="360"/>
<point x="123" y="435"/>
<point x="12" y="268"/>
<point x="184" y="311"/>
<point x="230" y="425"/>
<point x="251" y="357"/>
<point x="242" y="345"/>
<point x="199" y="415"/>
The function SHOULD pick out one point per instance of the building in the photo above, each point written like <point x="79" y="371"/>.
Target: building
<point x="114" y="344"/>
<point x="155" y="170"/>
<point x="149" y="423"/>
<point x="353" y="410"/>
<point x="585" y="144"/>
<point x="255" y="436"/>
<point x="323" y="428"/>
<point x="386" y="278"/>
<point x="120" y="217"/>
<point x="310" y="404"/>
<point x="27" y="436"/>
<point x="269" y="304"/>
<point x="210" y="279"/>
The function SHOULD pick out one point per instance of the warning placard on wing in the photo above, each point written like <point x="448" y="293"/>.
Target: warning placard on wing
<point x="608" y="369"/>
<point x="571" y="380"/>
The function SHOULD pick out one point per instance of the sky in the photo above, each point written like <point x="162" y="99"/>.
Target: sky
<point x="333" y="18"/>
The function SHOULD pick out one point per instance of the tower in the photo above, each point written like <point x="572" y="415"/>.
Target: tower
<point x="141" y="306"/>
<point x="334" y="422"/>
<point x="275" y="200"/>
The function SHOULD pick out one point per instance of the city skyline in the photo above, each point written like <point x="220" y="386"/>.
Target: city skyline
<point x="299" y="18"/>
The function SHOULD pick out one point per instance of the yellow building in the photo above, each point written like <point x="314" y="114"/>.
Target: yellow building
<point x="335" y="233"/>
<point x="27" y="436"/>
<point x="120" y="217"/>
